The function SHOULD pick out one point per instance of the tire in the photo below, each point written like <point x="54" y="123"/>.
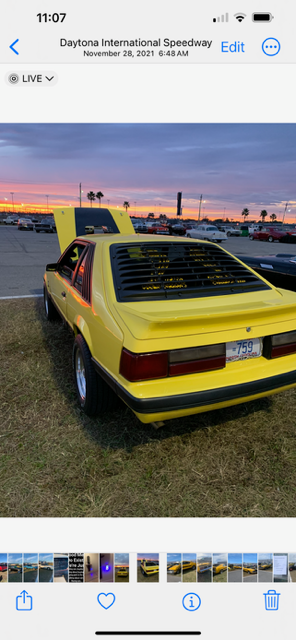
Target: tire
<point x="188" y="235"/>
<point x="219" y="241"/>
<point x="228" y="234"/>
<point x="270" y="239"/>
<point x="251" y="237"/>
<point x="50" y="310"/>
<point x="94" y="395"/>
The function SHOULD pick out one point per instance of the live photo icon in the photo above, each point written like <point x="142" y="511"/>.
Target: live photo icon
<point x="24" y="602"/>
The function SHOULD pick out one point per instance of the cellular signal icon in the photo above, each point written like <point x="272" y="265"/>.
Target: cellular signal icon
<point x="240" y="16"/>
<point x="223" y="18"/>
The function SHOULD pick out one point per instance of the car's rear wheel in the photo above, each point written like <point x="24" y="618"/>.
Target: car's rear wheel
<point x="228" y="234"/>
<point x="270" y="239"/>
<point x="251" y="237"/>
<point x="94" y="395"/>
<point x="50" y="310"/>
<point x="188" y="235"/>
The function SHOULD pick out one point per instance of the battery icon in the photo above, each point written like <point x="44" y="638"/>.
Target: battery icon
<point x="262" y="17"/>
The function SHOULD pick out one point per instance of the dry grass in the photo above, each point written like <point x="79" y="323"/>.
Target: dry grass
<point x="54" y="461"/>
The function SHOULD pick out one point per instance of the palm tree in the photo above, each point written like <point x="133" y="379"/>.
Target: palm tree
<point x="91" y="196"/>
<point x="126" y="205"/>
<point x="272" y="217"/>
<point x="263" y="214"/>
<point x="99" y="195"/>
<point x="245" y="213"/>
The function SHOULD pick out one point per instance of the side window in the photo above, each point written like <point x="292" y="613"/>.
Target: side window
<point x="79" y="275"/>
<point x="69" y="261"/>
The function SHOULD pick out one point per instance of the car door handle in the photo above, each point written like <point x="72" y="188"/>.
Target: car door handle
<point x="63" y="294"/>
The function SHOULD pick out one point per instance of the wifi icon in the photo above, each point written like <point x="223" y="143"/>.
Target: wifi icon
<point x="240" y="16"/>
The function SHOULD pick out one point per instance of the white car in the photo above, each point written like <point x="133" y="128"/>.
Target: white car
<point x="10" y="220"/>
<point x="231" y="231"/>
<point x="206" y="232"/>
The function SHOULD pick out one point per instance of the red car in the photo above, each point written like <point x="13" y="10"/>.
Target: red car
<point x="158" y="228"/>
<point x="267" y="233"/>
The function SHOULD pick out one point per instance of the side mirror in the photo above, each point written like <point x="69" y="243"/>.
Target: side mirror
<point x="51" y="267"/>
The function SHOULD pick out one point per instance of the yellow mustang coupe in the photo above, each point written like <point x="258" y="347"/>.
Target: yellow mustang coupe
<point x="219" y="568"/>
<point x="172" y="326"/>
<point x="174" y="568"/>
<point x="148" y="567"/>
<point x="250" y="569"/>
<point x="122" y="572"/>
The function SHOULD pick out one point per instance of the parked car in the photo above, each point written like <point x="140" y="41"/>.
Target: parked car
<point x="149" y="567"/>
<point x="140" y="227"/>
<point x="244" y="230"/>
<point x="122" y="572"/>
<point x="267" y="233"/>
<point x="150" y="315"/>
<point x="230" y="231"/>
<point x="219" y="568"/>
<point x="177" y="229"/>
<point x="279" y="270"/>
<point x="250" y="570"/>
<point x="202" y="567"/>
<point x="174" y="568"/>
<point x="25" y="223"/>
<point x="45" y="226"/>
<point x="187" y="565"/>
<point x="207" y="232"/>
<point x="159" y="229"/>
<point x="10" y="220"/>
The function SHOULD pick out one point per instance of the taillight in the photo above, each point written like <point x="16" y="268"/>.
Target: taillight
<point x="143" y="366"/>
<point x="282" y="344"/>
<point x="161" y="364"/>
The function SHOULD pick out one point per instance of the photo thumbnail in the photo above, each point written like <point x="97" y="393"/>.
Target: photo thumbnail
<point x="250" y="567"/>
<point x="46" y="567"/>
<point x="121" y="567"/>
<point x="219" y="567"/>
<point x="265" y="567"/>
<point x="3" y="567"/>
<point x="91" y="567"/>
<point x="148" y="567"/>
<point x="15" y="567"/>
<point x="235" y="567"/>
<point x="204" y="567"/>
<point x="61" y="567"/>
<point x="30" y="567"/>
<point x="281" y="571"/>
<point x="174" y="567"/>
<point x="161" y="228"/>
<point x="106" y="567"/>
<point x="292" y="567"/>
<point x="189" y="567"/>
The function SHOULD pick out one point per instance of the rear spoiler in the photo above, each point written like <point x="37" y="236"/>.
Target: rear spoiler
<point x="80" y="221"/>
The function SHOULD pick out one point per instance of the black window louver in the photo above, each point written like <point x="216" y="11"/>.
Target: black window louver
<point x="86" y="281"/>
<point x="172" y="270"/>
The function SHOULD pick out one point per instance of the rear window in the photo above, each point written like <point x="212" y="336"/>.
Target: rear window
<point x="172" y="270"/>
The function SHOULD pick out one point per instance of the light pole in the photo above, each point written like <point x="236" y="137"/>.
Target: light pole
<point x="12" y="194"/>
<point x="80" y="193"/>
<point x="200" y="201"/>
<point x="286" y="207"/>
<point x="47" y="203"/>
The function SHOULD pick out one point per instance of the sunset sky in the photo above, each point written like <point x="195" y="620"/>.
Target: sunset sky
<point x="232" y="166"/>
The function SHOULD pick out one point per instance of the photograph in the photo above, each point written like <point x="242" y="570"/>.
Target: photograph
<point x="61" y="567"/>
<point x="148" y="567"/>
<point x="174" y="567"/>
<point x="91" y="567"/>
<point x="292" y="567"/>
<point x="235" y="565"/>
<point x="30" y="567"/>
<point x="106" y="567"/>
<point x="121" y="567"/>
<point x="204" y="567"/>
<point x="281" y="571"/>
<point x="265" y="567"/>
<point x="3" y="567"/>
<point x="219" y="567"/>
<point x="46" y="566"/>
<point x="15" y="567"/>
<point x="76" y="567"/>
<point x="131" y="236"/>
<point x="250" y="567"/>
<point x="189" y="567"/>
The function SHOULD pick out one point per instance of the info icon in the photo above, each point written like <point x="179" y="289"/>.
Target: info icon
<point x="191" y="602"/>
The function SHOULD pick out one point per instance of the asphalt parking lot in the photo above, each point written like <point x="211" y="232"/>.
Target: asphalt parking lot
<point x="250" y="577"/>
<point x="265" y="576"/>
<point x="24" y="254"/>
<point x="235" y="576"/>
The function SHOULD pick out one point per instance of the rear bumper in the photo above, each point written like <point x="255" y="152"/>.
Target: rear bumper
<point x="198" y="399"/>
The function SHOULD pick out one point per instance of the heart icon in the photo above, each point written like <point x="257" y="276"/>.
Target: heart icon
<point x="106" y="600"/>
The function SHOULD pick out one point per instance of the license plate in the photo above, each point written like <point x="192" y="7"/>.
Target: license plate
<point x="243" y="349"/>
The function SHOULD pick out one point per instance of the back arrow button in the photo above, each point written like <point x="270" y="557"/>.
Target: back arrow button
<point x="11" y="46"/>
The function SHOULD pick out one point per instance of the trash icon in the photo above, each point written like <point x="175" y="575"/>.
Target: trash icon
<point x="271" y="600"/>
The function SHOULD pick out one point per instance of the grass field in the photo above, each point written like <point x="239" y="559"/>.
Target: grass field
<point x="54" y="461"/>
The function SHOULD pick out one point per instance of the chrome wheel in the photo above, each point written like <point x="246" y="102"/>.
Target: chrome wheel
<point x="80" y="375"/>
